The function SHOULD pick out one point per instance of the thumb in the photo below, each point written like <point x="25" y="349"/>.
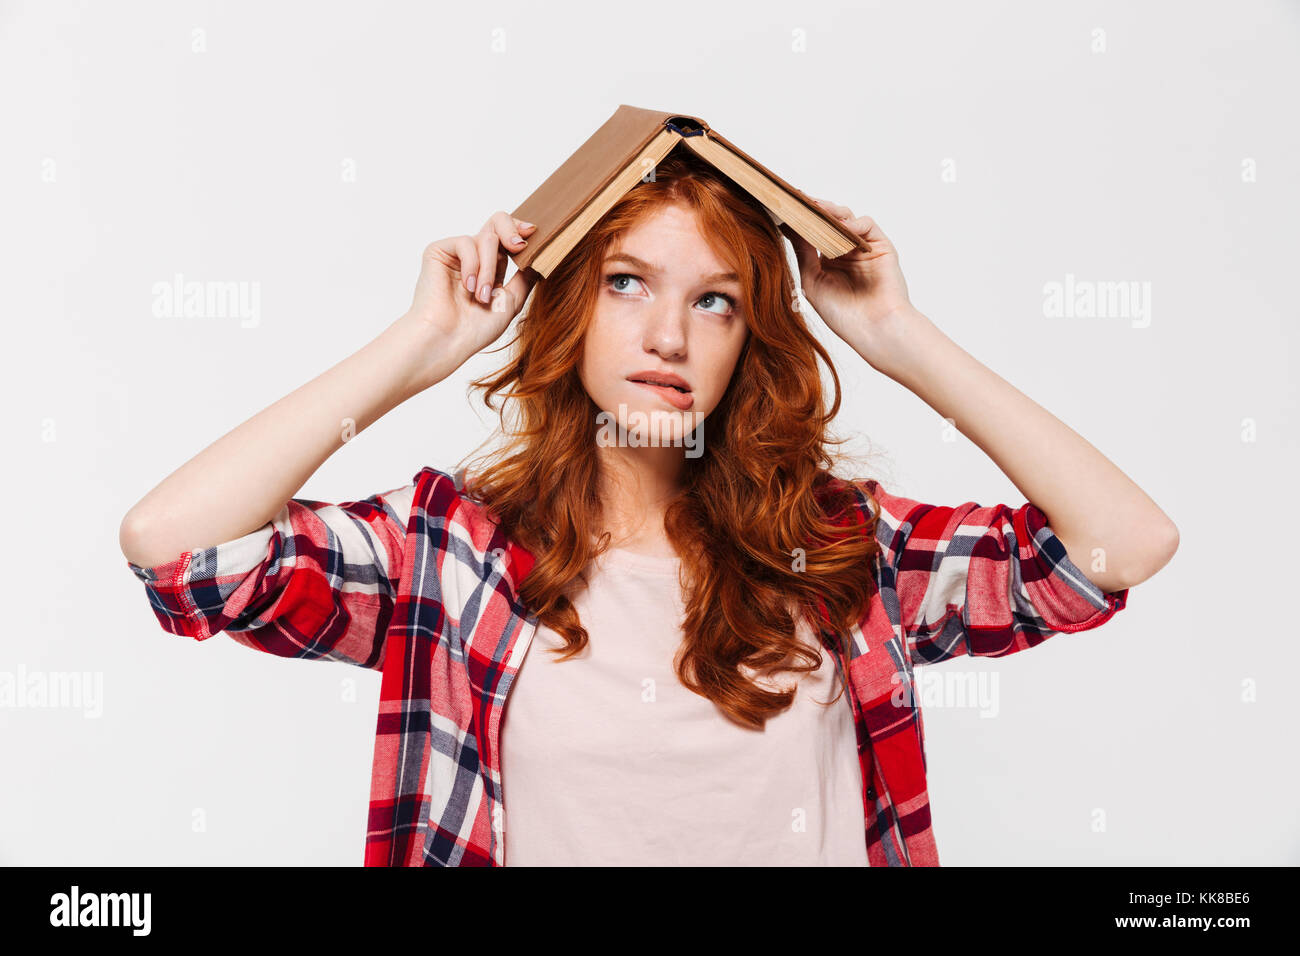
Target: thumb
<point x="520" y="285"/>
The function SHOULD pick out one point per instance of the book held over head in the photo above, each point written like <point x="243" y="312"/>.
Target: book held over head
<point x="624" y="151"/>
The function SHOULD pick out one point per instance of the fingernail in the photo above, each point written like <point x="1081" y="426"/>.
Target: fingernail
<point x="484" y="291"/>
<point x="517" y="240"/>
<point x="469" y="283"/>
<point x="526" y="225"/>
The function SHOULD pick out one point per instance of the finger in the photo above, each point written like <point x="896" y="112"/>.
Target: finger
<point x="509" y="229"/>
<point x="870" y="230"/>
<point x="518" y="240"/>
<point x="499" y="235"/>
<point x="488" y="246"/>
<point x="467" y="255"/>
<point x="519" y="286"/>
<point x="461" y="253"/>
<point x="840" y="212"/>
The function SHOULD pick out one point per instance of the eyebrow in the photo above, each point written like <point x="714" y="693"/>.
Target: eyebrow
<point x="650" y="267"/>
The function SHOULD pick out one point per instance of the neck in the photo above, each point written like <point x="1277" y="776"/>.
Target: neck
<point x="636" y="485"/>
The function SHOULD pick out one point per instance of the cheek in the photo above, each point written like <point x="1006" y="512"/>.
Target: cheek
<point x="727" y="357"/>
<point x="598" y="350"/>
<point x="613" y="334"/>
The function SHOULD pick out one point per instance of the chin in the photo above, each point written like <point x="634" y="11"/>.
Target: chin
<point x="633" y="422"/>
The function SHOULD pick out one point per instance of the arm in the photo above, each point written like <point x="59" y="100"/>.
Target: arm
<point x="1091" y="505"/>
<point x="319" y="581"/>
<point x="242" y="480"/>
<point x="219" y="545"/>
<point x="238" y="483"/>
<point x="980" y="580"/>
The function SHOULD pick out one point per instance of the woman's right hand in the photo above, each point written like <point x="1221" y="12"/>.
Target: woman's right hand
<point x="460" y="296"/>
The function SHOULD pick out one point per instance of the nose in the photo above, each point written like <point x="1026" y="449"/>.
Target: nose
<point x="665" y="333"/>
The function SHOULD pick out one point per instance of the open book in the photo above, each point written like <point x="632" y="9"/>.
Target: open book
<point x="622" y="152"/>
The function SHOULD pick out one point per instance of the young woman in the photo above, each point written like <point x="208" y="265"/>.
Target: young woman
<point x="703" y="640"/>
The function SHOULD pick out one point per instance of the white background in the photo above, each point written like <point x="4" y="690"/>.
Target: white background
<point x="1101" y="140"/>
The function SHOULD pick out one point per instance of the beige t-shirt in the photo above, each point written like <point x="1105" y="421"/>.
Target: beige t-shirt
<point x="606" y="759"/>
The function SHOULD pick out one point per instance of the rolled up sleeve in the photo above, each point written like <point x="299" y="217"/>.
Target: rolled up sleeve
<point x="319" y="581"/>
<point x="983" y="580"/>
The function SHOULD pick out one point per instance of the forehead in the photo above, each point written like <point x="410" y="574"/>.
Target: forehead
<point x="670" y="241"/>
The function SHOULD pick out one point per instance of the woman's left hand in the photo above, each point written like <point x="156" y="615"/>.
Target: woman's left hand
<point x="860" y="295"/>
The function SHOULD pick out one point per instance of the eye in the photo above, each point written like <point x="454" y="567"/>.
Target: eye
<point x="615" y="282"/>
<point x="720" y="297"/>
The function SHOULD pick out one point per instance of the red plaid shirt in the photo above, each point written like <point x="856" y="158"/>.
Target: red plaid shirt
<point x="419" y="584"/>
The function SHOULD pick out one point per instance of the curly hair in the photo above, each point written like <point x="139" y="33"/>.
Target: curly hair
<point x="763" y="529"/>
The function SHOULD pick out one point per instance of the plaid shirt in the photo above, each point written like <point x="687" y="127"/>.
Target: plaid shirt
<point x="419" y="584"/>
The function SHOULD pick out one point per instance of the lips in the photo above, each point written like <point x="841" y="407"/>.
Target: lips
<point x="671" y="388"/>
<point x="653" y="377"/>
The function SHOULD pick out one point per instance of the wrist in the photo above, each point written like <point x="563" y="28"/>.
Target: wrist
<point x="421" y="355"/>
<point x="891" y="342"/>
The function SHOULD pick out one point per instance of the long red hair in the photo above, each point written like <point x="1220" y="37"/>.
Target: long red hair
<point x="762" y="527"/>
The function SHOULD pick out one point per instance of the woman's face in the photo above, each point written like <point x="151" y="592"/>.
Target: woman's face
<point x="668" y="306"/>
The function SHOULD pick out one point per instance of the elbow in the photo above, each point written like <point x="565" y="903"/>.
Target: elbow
<point x="1163" y="546"/>
<point x="1168" y="546"/>
<point x="131" y="537"/>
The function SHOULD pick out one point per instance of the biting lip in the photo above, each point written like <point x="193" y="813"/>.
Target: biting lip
<point x="661" y="378"/>
<point x="669" y="387"/>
